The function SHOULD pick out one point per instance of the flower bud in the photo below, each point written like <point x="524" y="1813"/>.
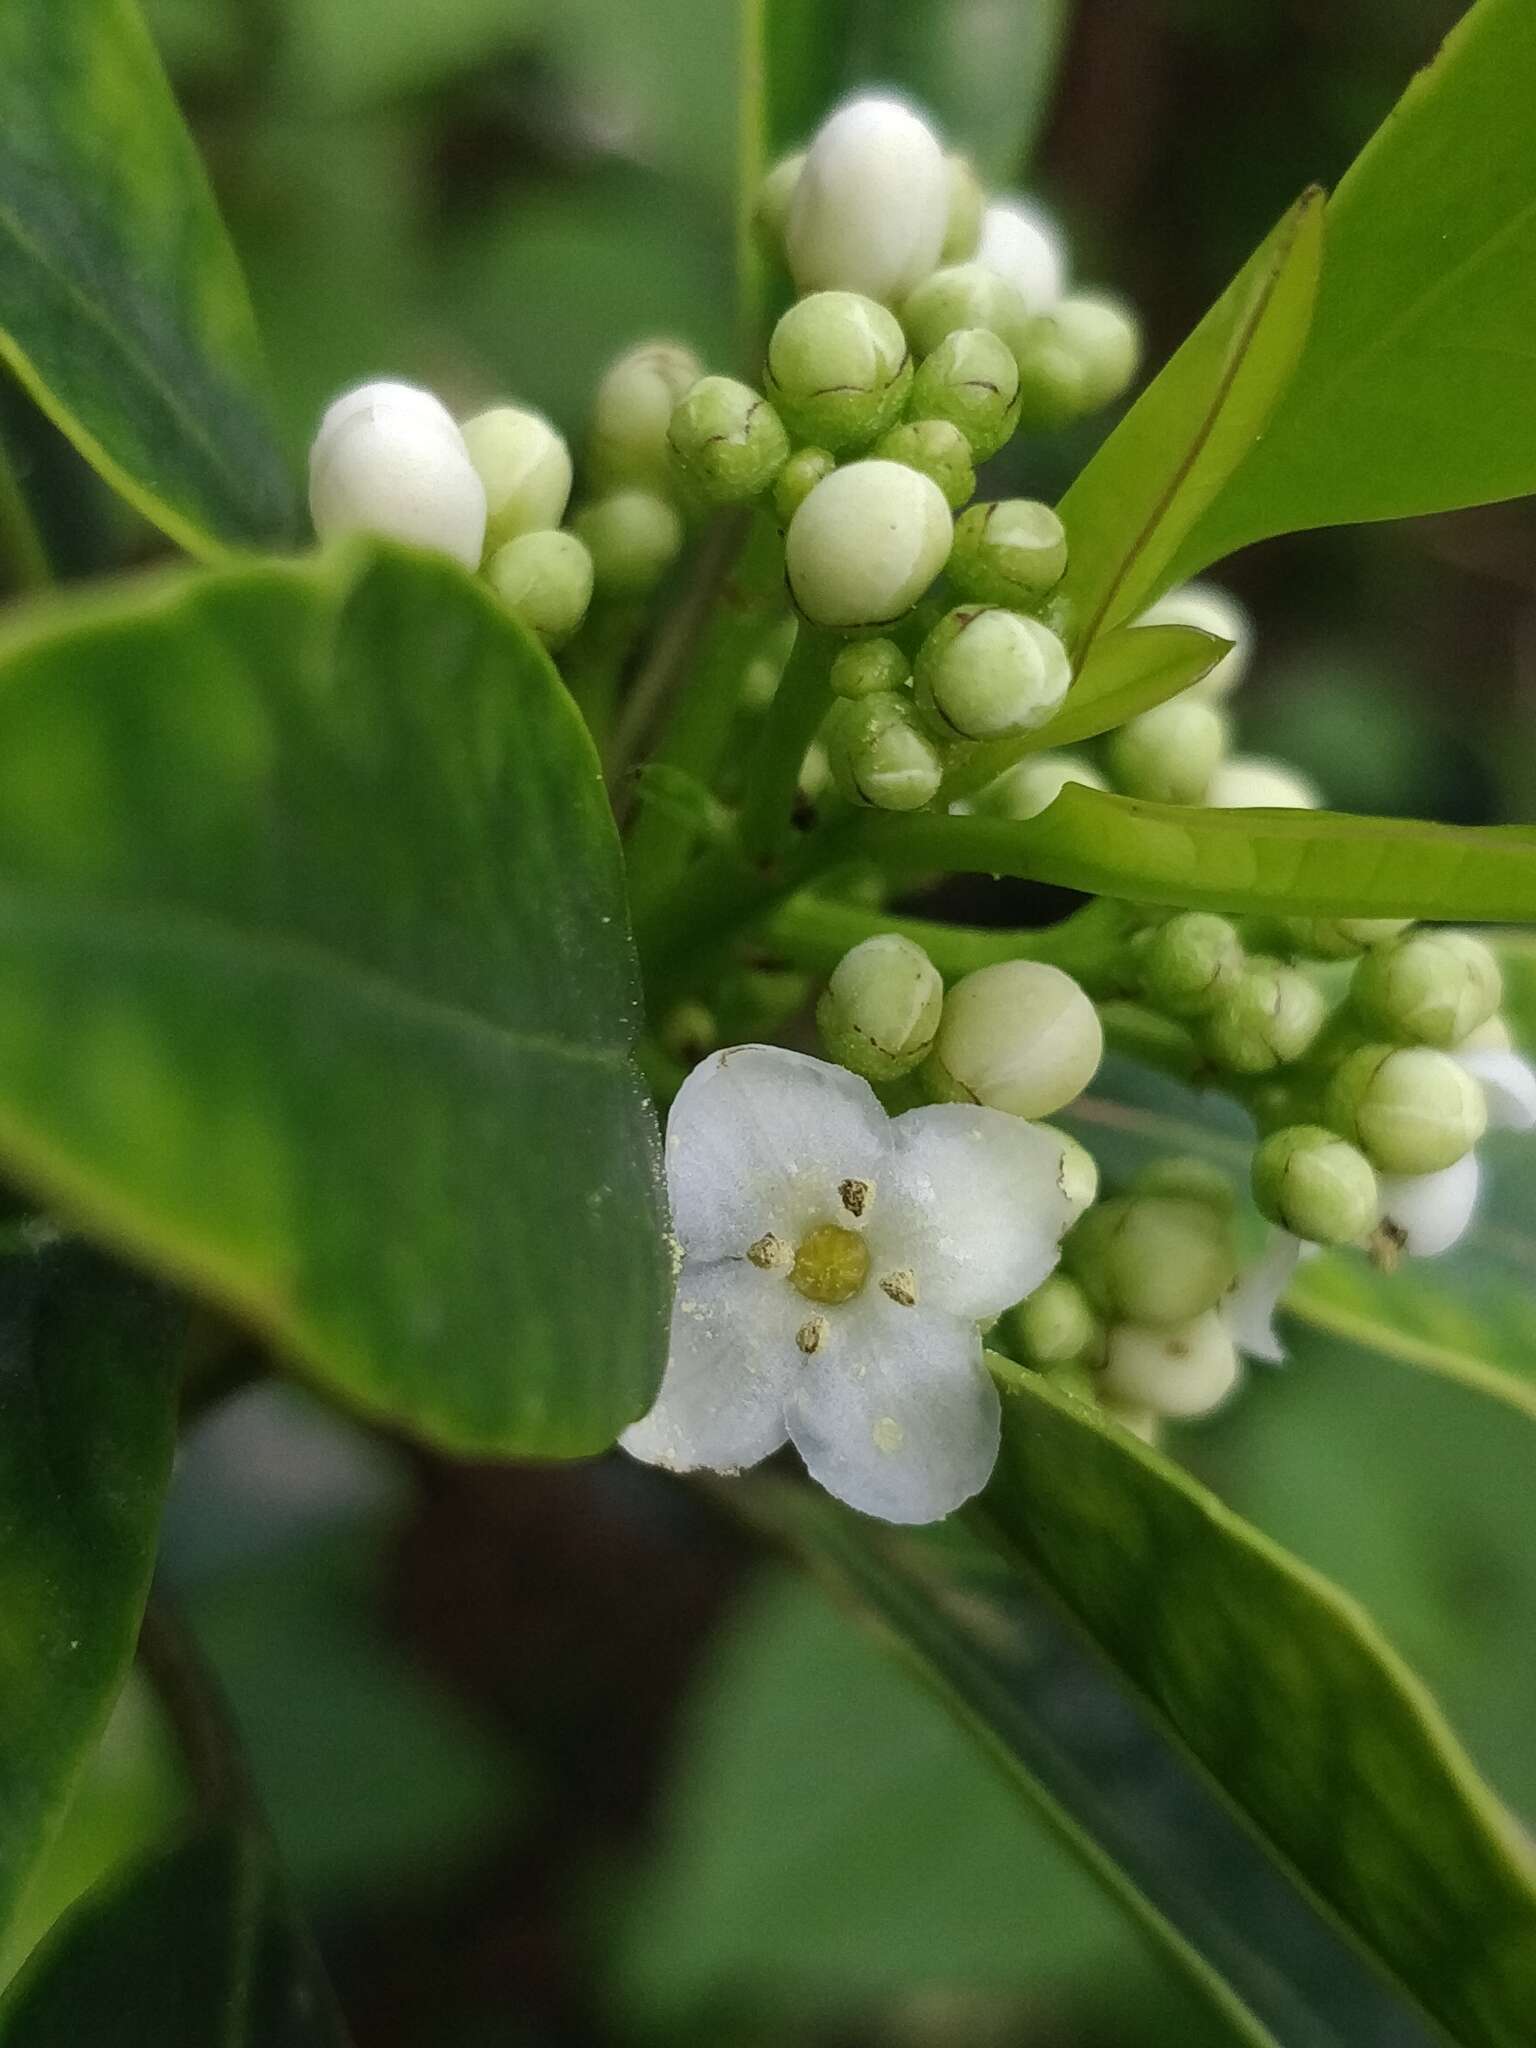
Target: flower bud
<point x="1075" y="359"/>
<point x="864" y="667"/>
<point x="838" y="369"/>
<point x="1429" y="988"/>
<point x="967" y="203"/>
<point x="775" y="195"/>
<point x="935" y="449"/>
<point x="1315" y="1185"/>
<point x="728" y="442"/>
<point x="1410" y="1109"/>
<point x="1168" y="754"/>
<point x="525" y="467"/>
<point x="546" y="579"/>
<point x="1246" y="783"/>
<point x="984" y="672"/>
<point x="1022" y="244"/>
<point x="971" y="380"/>
<point x="871" y="207"/>
<point x="1055" y="1325"/>
<point x="389" y="460"/>
<point x="1211" y="610"/>
<point x="1184" y="1371"/>
<point x="797" y="479"/>
<point x="1154" y="1259"/>
<point x="633" y="538"/>
<point x="1192" y="1180"/>
<point x="1032" y="785"/>
<point x="878" y="754"/>
<point x="632" y="412"/>
<point x="963" y="296"/>
<point x="865" y="545"/>
<point x="1268" y="1019"/>
<point x="1020" y="1036"/>
<point x="1011" y="552"/>
<point x="1192" y="963"/>
<point x="879" y="1012"/>
<point x="1342" y="938"/>
<point x="1424" y="1214"/>
<point x="689" y="1032"/>
<point x="1078" y="1176"/>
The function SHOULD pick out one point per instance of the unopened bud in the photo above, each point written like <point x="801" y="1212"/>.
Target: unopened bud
<point x="1169" y="754"/>
<point x="864" y="667"/>
<point x="1055" y="1325"/>
<point x="1032" y="785"/>
<point x="1184" y="1371"/>
<point x="633" y="538"/>
<point x="384" y="399"/>
<point x="1215" y="611"/>
<point x="972" y="380"/>
<point x="1316" y="1185"/>
<point x="881" y="1008"/>
<point x="1019" y="1036"/>
<point x="1410" y="1109"/>
<point x="984" y="672"/>
<point x="1012" y="552"/>
<point x="865" y="545"/>
<point x="1192" y="963"/>
<point x="967" y="203"/>
<point x="964" y="295"/>
<point x="1247" y="783"/>
<point x="1153" y="1259"/>
<point x="871" y="207"/>
<point x="1021" y="243"/>
<point x="1075" y="359"/>
<point x="389" y="460"/>
<point x="936" y="449"/>
<point x="1268" y="1019"/>
<point x="1078" y="1175"/>
<point x="1430" y="988"/>
<point x="632" y="412"/>
<point x="525" y="467"/>
<point x="1191" y="1179"/>
<point x="879" y="755"/>
<point x="774" y="198"/>
<point x="727" y="441"/>
<point x="798" y="478"/>
<point x="1342" y="938"/>
<point x="838" y="369"/>
<point x="546" y="579"/>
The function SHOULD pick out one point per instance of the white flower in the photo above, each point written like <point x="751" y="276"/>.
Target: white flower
<point x="1429" y="1212"/>
<point x="1509" y="1086"/>
<point x="871" y="206"/>
<point x="1249" y="1308"/>
<point x="835" y="1266"/>
<point x="1022" y="243"/>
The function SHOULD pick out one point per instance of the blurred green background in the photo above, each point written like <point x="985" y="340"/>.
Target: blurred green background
<point x="554" y="1757"/>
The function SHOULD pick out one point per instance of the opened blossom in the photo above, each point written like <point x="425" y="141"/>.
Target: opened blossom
<point x="836" y="1266"/>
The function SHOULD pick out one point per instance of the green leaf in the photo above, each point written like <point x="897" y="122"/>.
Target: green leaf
<point x="1415" y="391"/>
<point x="89" y="1360"/>
<point x="1180" y="443"/>
<point x="320" y="993"/>
<point x="122" y="309"/>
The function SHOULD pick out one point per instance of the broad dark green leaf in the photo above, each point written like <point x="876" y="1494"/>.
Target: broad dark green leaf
<point x="1177" y="448"/>
<point x="320" y="992"/>
<point x="1415" y="390"/>
<point x="121" y="304"/>
<point x="89" y="1363"/>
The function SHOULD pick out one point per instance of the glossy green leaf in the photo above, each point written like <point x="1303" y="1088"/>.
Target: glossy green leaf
<point x="122" y="309"/>
<point x="1177" y="448"/>
<point x="320" y="990"/>
<point x="1415" y="391"/>
<point x="89" y="1364"/>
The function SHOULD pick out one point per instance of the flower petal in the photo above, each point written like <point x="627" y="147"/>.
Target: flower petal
<point x="1249" y="1308"/>
<point x="896" y="1414"/>
<point x="974" y="1205"/>
<point x="732" y="1359"/>
<point x="1509" y="1087"/>
<point x="1431" y="1211"/>
<point x="758" y="1140"/>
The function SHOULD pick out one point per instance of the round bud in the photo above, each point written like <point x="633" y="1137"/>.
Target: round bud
<point x="1168" y="754"/>
<point x="1055" y="1324"/>
<point x="633" y="538"/>
<point x="689" y="1032"/>
<point x="384" y="398"/>
<point x="1212" y="610"/>
<point x="798" y="478"/>
<point x="871" y="206"/>
<point x="1492" y="1036"/>
<point x="1191" y="963"/>
<point x="1342" y="938"/>
<point x="936" y="449"/>
<point x="971" y="380"/>
<point x="1429" y="988"/>
<point x="1315" y="1185"/>
<point x="1267" y="1019"/>
<point x="1410" y="1109"/>
<point x="728" y="442"/>
<point x="879" y="756"/>
<point x="984" y="672"/>
<point x="1153" y="1259"/>
<point x="1193" y="1180"/>
<point x="632" y="412"/>
<point x="838" y="369"/>
<point x="864" y="667"/>
<point x="1184" y="1371"/>
<point x="525" y="467"/>
<point x="965" y="295"/>
<point x="879" y="1012"/>
<point x="1078" y="1174"/>
<point x="1424" y="1214"/>
<point x="1075" y="359"/>
<point x="1022" y="244"/>
<point x="1019" y="1036"/>
<point x="865" y="545"/>
<point x="775" y="194"/>
<point x="1246" y="783"/>
<point x="546" y="579"/>
<point x="395" y="469"/>
<point x="1032" y="785"/>
<point x="1012" y="552"/>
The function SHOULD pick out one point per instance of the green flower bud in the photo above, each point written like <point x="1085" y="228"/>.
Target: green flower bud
<point x="1055" y="1325"/>
<point x="728" y="443"/>
<point x="771" y="214"/>
<point x="864" y="667"/>
<point x="525" y="467"/>
<point x="1410" y="1109"/>
<point x="798" y="478"/>
<point x="1075" y="359"/>
<point x="1191" y="963"/>
<point x="1430" y="988"/>
<point x="1342" y="938"/>
<point x="632" y="411"/>
<point x="936" y="449"/>
<point x="1268" y="1019"/>
<point x="972" y="380"/>
<point x="1152" y="1259"/>
<point x="1020" y="1036"/>
<point x="966" y="295"/>
<point x="1315" y="1185"/>
<point x="633" y="538"/>
<point x="1011" y="552"/>
<point x="546" y="579"/>
<point x="1193" y="1180"/>
<point x="866" y="544"/>
<point x="879" y="755"/>
<point x="984" y="672"/>
<point x="838" y="369"/>
<point x="879" y="1012"/>
<point x="967" y="203"/>
<point x="1184" y="1371"/>
<point x="1168" y="754"/>
<point x="1032" y="785"/>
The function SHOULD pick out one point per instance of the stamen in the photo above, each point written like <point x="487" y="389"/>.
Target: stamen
<point x="855" y="1195"/>
<point x="771" y="1254"/>
<point x="901" y="1286"/>
<point x="812" y="1335"/>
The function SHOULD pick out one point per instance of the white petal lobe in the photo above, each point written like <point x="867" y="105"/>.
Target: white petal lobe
<point x="731" y="1360"/>
<point x="1431" y="1211"/>
<point x="1249" y="1309"/>
<point x="1509" y="1087"/>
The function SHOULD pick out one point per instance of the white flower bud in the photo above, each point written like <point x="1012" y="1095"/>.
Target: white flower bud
<point x="1169" y="754"/>
<point x="879" y="1012"/>
<point x="984" y="672"/>
<point x="838" y="368"/>
<point x="1431" y="987"/>
<point x="1211" y="610"/>
<point x="632" y="412"/>
<point x="546" y="579"/>
<point x="396" y="466"/>
<point x="1246" y="783"/>
<point x="879" y="756"/>
<point x="1033" y="785"/>
<point x="1424" y="1214"/>
<point x="1410" y="1109"/>
<point x="384" y="397"/>
<point x="871" y="206"/>
<point x="633" y="538"/>
<point x="1184" y="1371"/>
<point x="866" y="543"/>
<point x="1315" y="1185"/>
<point x="525" y="467"/>
<point x="1012" y="552"/>
<point x="1022" y="244"/>
<point x="1019" y="1036"/>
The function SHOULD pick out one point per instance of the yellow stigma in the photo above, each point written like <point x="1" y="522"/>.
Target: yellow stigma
<point x="831" y="1264"/>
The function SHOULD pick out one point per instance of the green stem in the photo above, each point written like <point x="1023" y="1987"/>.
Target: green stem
<point x="801" y="703"/>
<point x="1154" y="1040"/>
<point x="593" y="665"/>
<point x="751" y="163"/>
<point x="24" y="565"/>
